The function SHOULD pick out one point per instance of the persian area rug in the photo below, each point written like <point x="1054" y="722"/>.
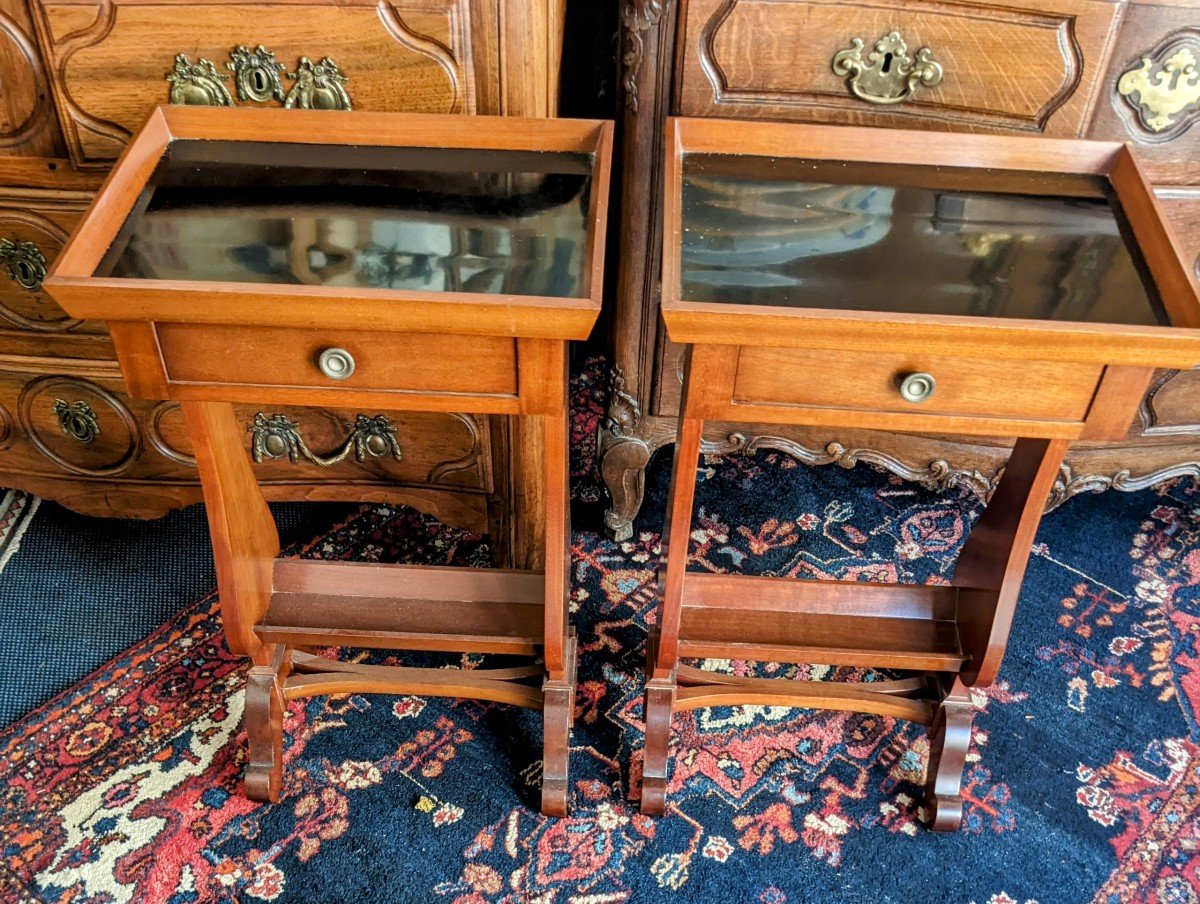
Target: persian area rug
<point x="1083" y="782"/>
<point x="17" y="509"/>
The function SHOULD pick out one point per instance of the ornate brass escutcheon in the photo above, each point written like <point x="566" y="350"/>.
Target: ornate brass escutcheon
<point x="887" y="74"/>
<point x="25" y="263"/>
<point x="77" y="420"/>
<point x="276" y="437"/>
<point x="198" y="84"/>
<point x="318" y="87"/>
<point x="1164" y="90"/>
<point x="256" y="74"/>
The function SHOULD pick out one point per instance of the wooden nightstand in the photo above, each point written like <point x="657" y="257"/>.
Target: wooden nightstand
<point x="818" y="276"/>
<point x="388" y="262"/>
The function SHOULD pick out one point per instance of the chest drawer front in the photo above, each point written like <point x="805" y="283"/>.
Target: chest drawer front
<point x="865" y="381"/>
<point x="34" y="227"/>
<point x="77" y="421"/>
<point x="108" y="63"/>
<point x="396" y="363"/>
<point x="1150" y="93"/>
<point x="27" y="122"/>
<point x="1027" y="67"/>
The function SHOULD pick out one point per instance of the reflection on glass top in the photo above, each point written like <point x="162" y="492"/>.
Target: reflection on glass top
<point x="754" y="235"/>
<point x="477" y="221"/>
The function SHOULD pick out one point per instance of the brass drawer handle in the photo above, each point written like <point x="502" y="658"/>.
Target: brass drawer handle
<point x="336" y="363"/>
<point x="917" y="388"/>
<point x="77" y="420"/>
<point x="25" y="263"/>
<point x="887" y="74"/>
<point x="275" y="437"/>
<point x="318" y="86"/>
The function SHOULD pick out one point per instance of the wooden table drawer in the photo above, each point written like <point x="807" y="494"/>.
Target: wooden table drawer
<point x="108" y="63"/>
<point x="394" y="365"/>
<point x="865" y="381"/>
<point x="1025" y="66"/>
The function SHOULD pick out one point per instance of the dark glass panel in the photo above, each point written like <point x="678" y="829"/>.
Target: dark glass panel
<point x="478" y="221"/>
<point x="766" y="232"/>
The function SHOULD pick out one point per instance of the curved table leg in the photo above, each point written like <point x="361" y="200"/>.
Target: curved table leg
<point x="949" y="739"/>
<point x="264" y="726"/>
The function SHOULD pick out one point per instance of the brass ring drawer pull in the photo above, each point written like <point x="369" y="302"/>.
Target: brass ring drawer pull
<point x="336" y="363"/>
<point x="77" y="420"/>
<point x="917" y="388"/>
<point x="887" y="74"/>
<point x="276" y="436"/>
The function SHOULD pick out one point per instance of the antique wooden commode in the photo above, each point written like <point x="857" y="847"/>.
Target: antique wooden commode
<point x="825" y="276"/>
<point x="390" y="262"/>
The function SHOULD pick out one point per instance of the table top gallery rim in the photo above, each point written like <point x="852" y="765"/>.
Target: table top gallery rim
<point x="73" y="284"/>
<point x="979" y="162"/>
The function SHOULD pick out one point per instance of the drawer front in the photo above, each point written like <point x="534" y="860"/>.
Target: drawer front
<point x="109" y="63"/>
<point x="34" y="227"/>
<point x="291" y="358"/>
<point x="28" y="126"/>
<point x="77" y="422"/>
<point x="1150" y="96"/>
<point x="1023" y="67"/>
<point x="864" y="381"/>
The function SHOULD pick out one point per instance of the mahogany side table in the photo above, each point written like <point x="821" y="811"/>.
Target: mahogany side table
<point x="831" y="276"/>
<point x="389" y="261"/>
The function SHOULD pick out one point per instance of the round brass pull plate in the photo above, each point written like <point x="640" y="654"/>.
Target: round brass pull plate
<point x="916" y="388"/>
<point x="336" y="363"/>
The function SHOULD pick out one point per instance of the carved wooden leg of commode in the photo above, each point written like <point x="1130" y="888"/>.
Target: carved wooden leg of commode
<point x="263" y="718"/>
<point x="949" y="739"/>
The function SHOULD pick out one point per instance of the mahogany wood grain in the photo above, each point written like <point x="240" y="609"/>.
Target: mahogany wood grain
<point x="991" y="565"/>
<point x="949" y="742"/>
<point x="772" y="636"/>
<point x="263" y="717"/>
<point x="1116" y="403"/>
<point x="1026" y="390"/>
<point x="415" y="363"/>
<point x="754" y="593"/>
<point x="245" y="541"/>
<point x="806" y="694"/>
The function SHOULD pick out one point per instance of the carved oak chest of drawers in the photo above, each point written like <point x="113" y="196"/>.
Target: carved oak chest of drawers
<point x="78" y="79"/>
<point x="1103" y="69"/>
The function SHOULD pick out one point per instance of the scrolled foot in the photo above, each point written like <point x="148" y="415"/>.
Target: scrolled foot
<point x="660" y="702"/>
<point x="264" y="727"/>
<point x="949" y="740"/>
<point x="558" y="713"/>
<point x="945" y="813"/>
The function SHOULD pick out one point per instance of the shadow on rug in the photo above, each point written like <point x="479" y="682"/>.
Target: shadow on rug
<point x="1083" y="781"/>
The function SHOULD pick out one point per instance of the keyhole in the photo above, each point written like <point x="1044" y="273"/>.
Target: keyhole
<point x="259" y="79"/>
<point x="887" y="63"/>
<point x="25" y="274"/>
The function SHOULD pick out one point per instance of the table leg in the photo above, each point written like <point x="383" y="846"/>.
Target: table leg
<point x="663" y="652"/>
<point x="989" y="573"/>
<point x="245" y="546"/>
<point x="558" y="691"/>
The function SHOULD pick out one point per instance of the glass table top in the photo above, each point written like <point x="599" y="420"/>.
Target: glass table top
<point x="756" y="231"/>
<point x="440" y="220"/>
